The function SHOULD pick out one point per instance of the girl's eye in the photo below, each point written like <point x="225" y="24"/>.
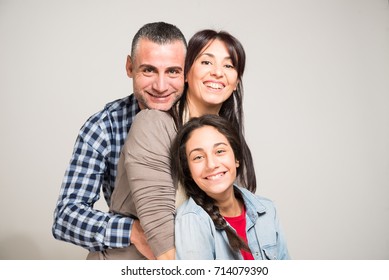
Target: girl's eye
<point x="197" y="157"/>
<point x="206" y="62"/>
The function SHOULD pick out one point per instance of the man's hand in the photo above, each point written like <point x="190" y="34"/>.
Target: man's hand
<point x="138" y="239"/>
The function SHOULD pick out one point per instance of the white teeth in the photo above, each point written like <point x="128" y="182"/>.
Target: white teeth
<point x="159" y="96"/>
<point x="214" y="177"/>
<point x="214" y="85"/>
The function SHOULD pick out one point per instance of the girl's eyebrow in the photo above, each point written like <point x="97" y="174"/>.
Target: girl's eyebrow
<point x="214" y="146"/>
<point x="195" y="150"/>
<point x="220" y="143"/>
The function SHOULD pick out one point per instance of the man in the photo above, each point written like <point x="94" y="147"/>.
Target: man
<point x="156" y="66"/>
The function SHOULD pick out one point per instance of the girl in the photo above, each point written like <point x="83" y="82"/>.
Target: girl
<point x="220" y="220"/>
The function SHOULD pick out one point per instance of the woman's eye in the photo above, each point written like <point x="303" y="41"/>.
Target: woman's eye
<point x="206" y="62"/>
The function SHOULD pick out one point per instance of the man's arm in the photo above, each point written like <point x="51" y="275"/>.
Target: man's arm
<point x="75" y="220"/>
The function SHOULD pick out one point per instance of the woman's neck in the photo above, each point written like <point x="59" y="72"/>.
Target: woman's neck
<point x="198" y="109"/>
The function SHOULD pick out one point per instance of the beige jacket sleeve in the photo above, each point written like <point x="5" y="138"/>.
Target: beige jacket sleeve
<point x="145" y="187"/>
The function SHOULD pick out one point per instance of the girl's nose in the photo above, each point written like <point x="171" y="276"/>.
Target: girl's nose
<point x="212" y="162"/>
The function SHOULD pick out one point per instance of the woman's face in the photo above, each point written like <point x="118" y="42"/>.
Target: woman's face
<point x="211" y="79"/>
<point x="212" y="162"/>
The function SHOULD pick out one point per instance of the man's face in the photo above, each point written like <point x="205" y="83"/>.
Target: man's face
<point x="158" y="74"/>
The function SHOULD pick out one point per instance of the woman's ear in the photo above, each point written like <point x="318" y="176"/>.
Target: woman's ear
<point x="236" y="86"/>
<point x="237" y="163"/>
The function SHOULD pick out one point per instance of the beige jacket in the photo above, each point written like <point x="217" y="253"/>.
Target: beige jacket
<point x="144" y="187"/>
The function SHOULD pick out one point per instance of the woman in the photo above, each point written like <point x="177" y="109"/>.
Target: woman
<point x="220" y="220"/>
<point x="144" y="189"/>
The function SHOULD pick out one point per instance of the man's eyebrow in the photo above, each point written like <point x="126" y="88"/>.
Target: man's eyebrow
<point x="147" y="66"/>
<point x="174" y="68"/>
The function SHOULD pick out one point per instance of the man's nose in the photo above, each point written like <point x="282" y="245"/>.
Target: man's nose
<point x="160" y="84"/>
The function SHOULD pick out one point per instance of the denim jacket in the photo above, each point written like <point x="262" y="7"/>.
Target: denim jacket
<point x="196" y="236"/>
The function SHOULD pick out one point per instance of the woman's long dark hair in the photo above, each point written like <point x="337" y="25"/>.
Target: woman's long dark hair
<point x="232" y="108"/>
<point x="181" y="173"/>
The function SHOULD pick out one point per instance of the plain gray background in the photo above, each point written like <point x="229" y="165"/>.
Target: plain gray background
<point x="316" y="107"/>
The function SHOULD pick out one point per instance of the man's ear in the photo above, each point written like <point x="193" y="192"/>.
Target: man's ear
<point x="129" y="66"/>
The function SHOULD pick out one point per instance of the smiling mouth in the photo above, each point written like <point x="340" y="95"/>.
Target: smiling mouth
<point x="214" y="85"/>
<point x="215" y="176"/>
<point x="160" y="96"/>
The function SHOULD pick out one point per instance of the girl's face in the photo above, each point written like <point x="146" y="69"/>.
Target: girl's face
<point x="211" y="79"/>
<point x="211" y="162"/>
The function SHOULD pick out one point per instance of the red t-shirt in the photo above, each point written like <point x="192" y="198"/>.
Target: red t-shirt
<point x="239" y="224"/>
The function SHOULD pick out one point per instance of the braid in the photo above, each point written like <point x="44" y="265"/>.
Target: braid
<point x="208" y="204"/>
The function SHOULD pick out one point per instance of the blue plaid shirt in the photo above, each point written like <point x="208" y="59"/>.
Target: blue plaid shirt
<point x="93" y="166"/>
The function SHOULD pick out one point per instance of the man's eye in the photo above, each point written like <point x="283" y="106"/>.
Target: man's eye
<point x="174" y="72"/>
<point x="148" y="70"/>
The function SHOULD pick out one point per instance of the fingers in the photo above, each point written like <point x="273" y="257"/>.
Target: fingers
<point x="138" y="239"/>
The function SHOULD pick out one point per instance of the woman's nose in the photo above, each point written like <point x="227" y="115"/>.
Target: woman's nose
<point x="217" y="70"/>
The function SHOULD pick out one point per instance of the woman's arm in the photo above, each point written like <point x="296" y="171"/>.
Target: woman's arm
<point x="147" y="165"/>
